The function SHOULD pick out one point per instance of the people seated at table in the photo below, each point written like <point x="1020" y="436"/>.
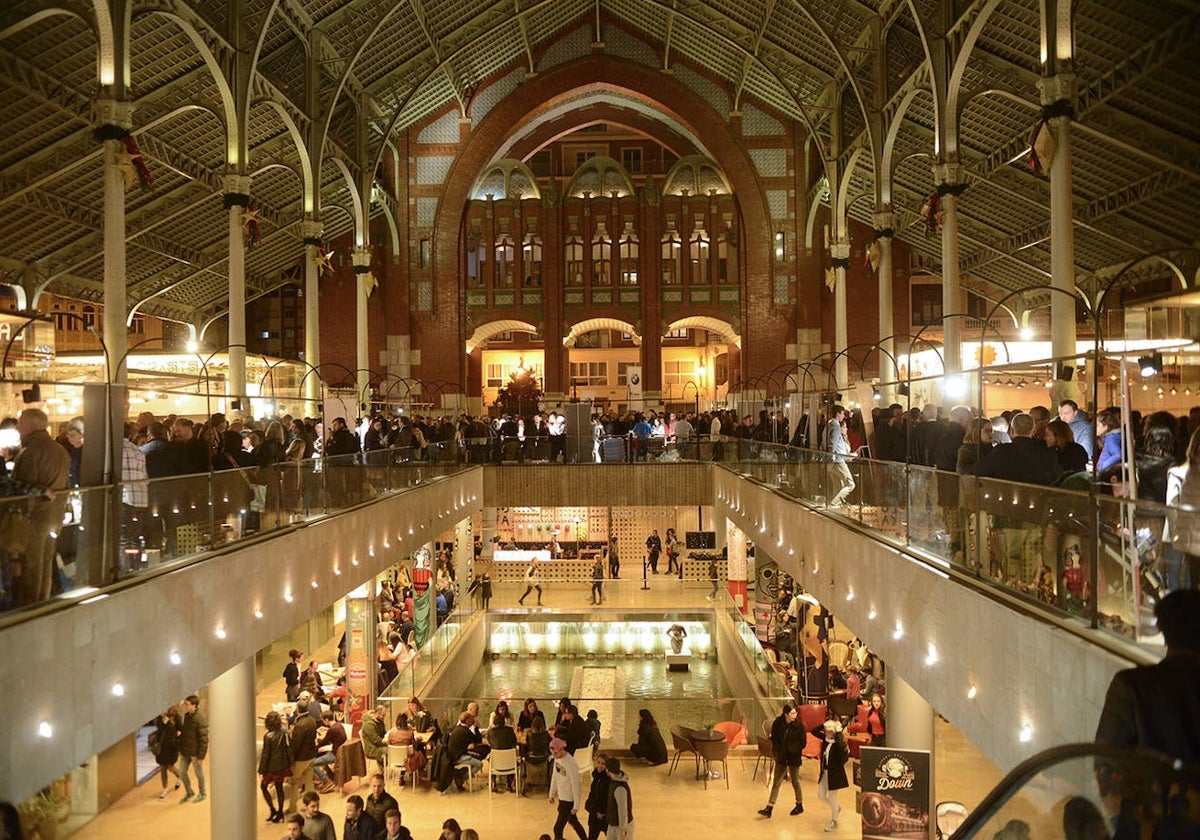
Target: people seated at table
<point x="528" y="712"/>
<point x="575" y="731"/>
<point x="555" y="731"/>
<point x="333" y="736"/>
<point x="310" y="680"/>
<point x="501" y="736"/>
<point x="502" y="709"/>
<point x="401" y="735"/>
<point x="650" y="745"/>
<point x="537" y="752"/>
<point x="593" y="724"/>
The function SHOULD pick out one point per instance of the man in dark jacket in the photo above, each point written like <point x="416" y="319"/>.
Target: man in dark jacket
<point x="359" y="825"/>
<point x="788" y="739"/>
<point x="1025" y="459"/>
<point x="1157" y="707"/>
<point x="458" y="747"/>
<point x="162" y="460"/>
<point x="193" y="747"/>
<point x="304" y="752"/>
<point x="379" y="802"/>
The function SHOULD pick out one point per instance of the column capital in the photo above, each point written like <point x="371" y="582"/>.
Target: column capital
<point x="361" y="259"/>
<point x="237" y="190"/>
<point x="311" y="232"/>
<point x="839" y="251"/>
<point x="948" y="175"/>
<point x="1058" y="92"/>
<point x="885" y="224"/>
<point x="113" y="119"/>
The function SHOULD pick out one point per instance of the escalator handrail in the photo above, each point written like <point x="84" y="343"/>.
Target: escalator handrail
<point x="1019" y="776"/>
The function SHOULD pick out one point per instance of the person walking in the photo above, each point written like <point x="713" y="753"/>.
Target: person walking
<point x="304" y="752"/>
<point x="597" y="582"/>
<point x="714" y="577"/>
<point x="193" y="747"/>
<point x="834" y="755"/>
<point x="614" y="562"/>
<point x="274" y="763"/>
<point x="620" y="804"/>
<point x="839" y="449"/>
<point x="533" y="580"/>
<point x="788" y="739"/>
<point x="565" y="788"/>
<point x="164" y="744"/>
<point x="653" y="550"/>
<point x="597" y="798"/>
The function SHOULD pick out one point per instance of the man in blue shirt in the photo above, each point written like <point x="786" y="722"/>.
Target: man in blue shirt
<point x="1069" y="413"/>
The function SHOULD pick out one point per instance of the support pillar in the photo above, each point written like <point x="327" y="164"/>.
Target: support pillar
<point x="910" y="721"/>
<point x="950" y="186"/>
<point x="114" y="120"/>
<point x="237" y="197"/>
<point x="312" y="231"/>
<point x="841" y="261"/>
<point x="365" y="283"/>
<point x="1058" y="97"/>
<point x="885" y="222"/>
<point x="736" y="572"/>
<point x="464" y="554"/>
<point x="233" y="744"/>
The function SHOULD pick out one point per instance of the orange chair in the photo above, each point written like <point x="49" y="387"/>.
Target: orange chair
<point x="735" y="734"/>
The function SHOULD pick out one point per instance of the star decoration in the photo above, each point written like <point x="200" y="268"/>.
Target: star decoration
<point x="369" y="283"/>
<point x="830" y="278"/>
<point x="323" y="260"/>
<point x="250" y="216"/>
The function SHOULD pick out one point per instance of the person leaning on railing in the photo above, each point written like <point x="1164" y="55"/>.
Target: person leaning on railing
<point x="40" y="463"/>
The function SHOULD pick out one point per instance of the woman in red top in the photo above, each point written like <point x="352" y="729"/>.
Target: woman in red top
<point x="877" y="721"/>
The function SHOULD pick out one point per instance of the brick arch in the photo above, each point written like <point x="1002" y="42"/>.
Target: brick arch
<point x="672" y="98"/>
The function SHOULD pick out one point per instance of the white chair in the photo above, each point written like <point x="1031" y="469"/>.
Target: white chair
<point x="503" y="763"/>
<point x="472" y="772"/>
<point x="397" y="759"/>
<point x="583" y="757"/>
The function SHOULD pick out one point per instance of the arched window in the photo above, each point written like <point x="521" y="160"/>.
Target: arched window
<point x="573" y="250"/>
<point x="727" y="256"/>
<point x="630" y="251"/>
<point x="531" y="257"/>
<point x="698" y="254"/>
<point x="506" y="255"/>
<point x="476" y="259"/>
<point x="670" y="258"/>
<point x="601" y="256"/>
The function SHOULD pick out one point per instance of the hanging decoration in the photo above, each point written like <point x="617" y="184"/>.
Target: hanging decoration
<point x="369" y="281"/>
<point x="872" y="255"/>
<point x="133" y="165"/>
<point x="1041" y="148"/>
<point x="252" y="222"/>
<point x="323" y="260"/>
<point x="830" y="278"/>
<point x="931" y="214"/>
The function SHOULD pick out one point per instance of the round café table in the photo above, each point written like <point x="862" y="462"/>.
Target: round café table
<point x="712" y="735"/>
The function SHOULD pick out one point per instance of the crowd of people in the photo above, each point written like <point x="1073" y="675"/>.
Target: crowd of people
<point x="443" y="753"/>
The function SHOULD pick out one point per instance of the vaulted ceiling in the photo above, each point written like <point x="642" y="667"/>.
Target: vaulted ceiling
<point x="307" y="75"/>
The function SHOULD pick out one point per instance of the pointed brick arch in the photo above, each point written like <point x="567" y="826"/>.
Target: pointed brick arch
<point x="685" y="107"/>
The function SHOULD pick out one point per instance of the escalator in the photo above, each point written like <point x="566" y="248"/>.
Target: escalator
<point x="1084" y="792"/>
